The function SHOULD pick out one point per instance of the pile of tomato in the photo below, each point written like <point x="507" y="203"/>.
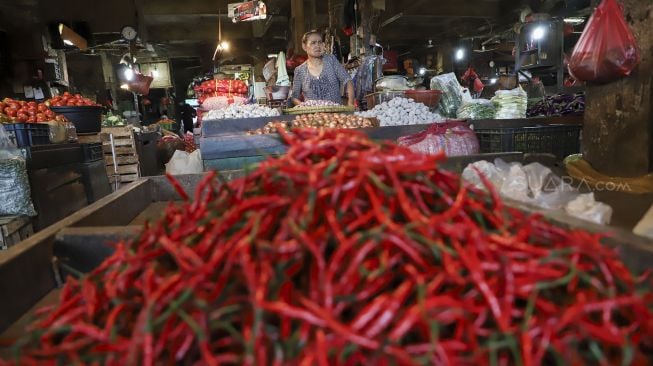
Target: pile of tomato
<point x="21" y="111"/>
<point x="70" y="100"/>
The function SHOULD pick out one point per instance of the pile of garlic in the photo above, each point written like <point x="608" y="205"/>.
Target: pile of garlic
<point x="236" y="111"/>
<point x="402" y="111"/>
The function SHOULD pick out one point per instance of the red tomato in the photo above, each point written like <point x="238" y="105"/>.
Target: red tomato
<point x="11" y="112"/>
<point x="66" y="94"/>
<point x="31" y="120"/>
<point x="31" y="112"/>
<point x="32" y="104"/>
<point x="22" y="117"/>
<point x="50" y="114"/>
<point x="3" y="105"/>
<point x="42" y="107"/>
<point x="70" y="103"/>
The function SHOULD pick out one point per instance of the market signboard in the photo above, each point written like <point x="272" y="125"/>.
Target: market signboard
<point x="247" y="11"/>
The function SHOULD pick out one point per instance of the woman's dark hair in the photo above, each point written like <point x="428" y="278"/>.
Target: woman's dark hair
<point x="310" y="33"/>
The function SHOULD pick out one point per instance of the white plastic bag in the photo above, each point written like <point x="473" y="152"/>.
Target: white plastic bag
<point x="487" y="169"/>
<point x="185" y="163"/>
<point x="585" y="207"/>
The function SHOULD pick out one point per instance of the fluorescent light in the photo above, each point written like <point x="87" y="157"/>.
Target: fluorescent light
<point x="68" y="42"/>
<point x="460" y="54"/>
<point x="422" y="71"/>
<point x="575" y="20"/>
<point x="224" y="45"/>
<point x="272" y="55"/>
<point x="493" y="81"/>
<point x="155" y="73"/>
<point x="129" y="74"/>
<point x="538" y="33"/>
<point x="124" y="86"/>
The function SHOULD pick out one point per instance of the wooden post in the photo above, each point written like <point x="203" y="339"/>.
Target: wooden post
<point x="298" y="24"/>
<point x="617" y="136"/>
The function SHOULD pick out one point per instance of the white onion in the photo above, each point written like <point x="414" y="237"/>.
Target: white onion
<point x="402" y="111"/>
<point x="235" y="111"/>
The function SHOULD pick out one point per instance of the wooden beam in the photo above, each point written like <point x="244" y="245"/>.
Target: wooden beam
<point x="230" y="31"/>
<point x="457" y="9"/>
<point x="155" y="7"/>
<point x="298" y="23"/>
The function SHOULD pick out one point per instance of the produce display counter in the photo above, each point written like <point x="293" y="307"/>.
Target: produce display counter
<point x="225" y="144"/>
<point x="79" y="241"/>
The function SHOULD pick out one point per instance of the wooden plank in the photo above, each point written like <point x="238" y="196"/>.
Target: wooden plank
<point x="128" y="169"/>
<point x="89" y="139"/>
<point x="31" y="260"/>
<point x="118" y="142"/>
<point x="84" y="248"/>
<point x="153" y="212"/>
<point x="124" y="178"/>
<point x="121" y="160"/>
<point x="118" y="131"/>
<point x="121" y="151"/>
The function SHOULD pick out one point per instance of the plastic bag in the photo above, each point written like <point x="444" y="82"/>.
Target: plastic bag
<point x="452" y="95"/>
<point x="607" y="50"/>
<point x="15" y="195"/>
<point x="450" y="138"/>
<point x="185" y="163"/>
<point x="487" y="169"/>
<point x="585" y="207"/>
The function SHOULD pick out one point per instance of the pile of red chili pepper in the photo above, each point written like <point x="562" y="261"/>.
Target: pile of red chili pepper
<point x="346" y="252"/>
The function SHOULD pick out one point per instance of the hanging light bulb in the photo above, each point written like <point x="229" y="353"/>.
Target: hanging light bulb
<point x="129" y="73"/>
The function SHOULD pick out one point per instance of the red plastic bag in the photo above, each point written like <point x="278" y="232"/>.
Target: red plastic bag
<point x="607" y="50"/>
<point x="453" y="138"/>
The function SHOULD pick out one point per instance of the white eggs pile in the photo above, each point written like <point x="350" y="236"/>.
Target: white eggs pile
<point x="236" y="111"/>
<point x="400" y="112"/>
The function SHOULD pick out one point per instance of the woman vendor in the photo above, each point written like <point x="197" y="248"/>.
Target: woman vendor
<point x="321" y="76"/>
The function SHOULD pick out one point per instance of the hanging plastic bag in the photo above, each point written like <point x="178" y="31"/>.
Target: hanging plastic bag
<point x="450" y="138"/>
<point x="607" y="50"/>
<point x="15" y="195"/>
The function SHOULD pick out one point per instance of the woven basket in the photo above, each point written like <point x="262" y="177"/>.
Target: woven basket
<point x="311" y="110"/>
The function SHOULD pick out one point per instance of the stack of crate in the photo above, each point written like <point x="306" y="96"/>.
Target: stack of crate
<point x="14" y="229"/>
<point x="120" y="155"/>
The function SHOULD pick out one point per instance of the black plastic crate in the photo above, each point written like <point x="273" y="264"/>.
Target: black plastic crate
<point x="28" y="134"/>
<point x="95" y="179"/>
<point x="92" y="152"/>
<point x="87" y="119"/>
<point x="559" y="140"/>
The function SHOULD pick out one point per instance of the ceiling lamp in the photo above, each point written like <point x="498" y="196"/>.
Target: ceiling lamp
<point x="223" y="46"/>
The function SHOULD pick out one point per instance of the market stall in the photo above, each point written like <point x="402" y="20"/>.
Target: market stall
<point x="80" y="240"/>
<point x="416" y="184"/>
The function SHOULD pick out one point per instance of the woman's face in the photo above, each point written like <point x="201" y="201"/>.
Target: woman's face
<point x="314" y="46"/>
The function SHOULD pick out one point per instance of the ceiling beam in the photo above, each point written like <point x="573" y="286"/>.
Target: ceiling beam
<point x="164" y="7"/>
<point x="230" y="31"/>
<point x="441" y="9"/>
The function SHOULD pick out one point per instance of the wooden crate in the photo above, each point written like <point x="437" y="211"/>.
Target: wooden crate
<point x="126" y="160"/>
<point x="14" y="229"/>
<point x="89" y="138"/>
